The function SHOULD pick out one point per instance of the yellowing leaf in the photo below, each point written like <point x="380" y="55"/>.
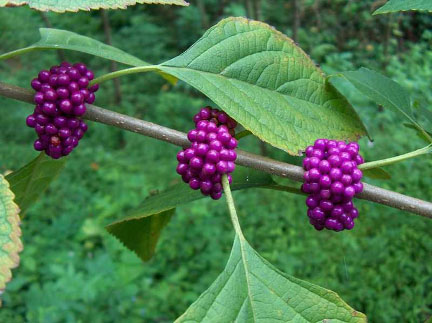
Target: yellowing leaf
<point x="10" y="232"/>
<point x="75" y="5"/>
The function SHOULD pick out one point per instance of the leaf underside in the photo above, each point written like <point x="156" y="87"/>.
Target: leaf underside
<point x="405" y="5"/>
<point x="67" y="5"/>
<point x="30" y="181"/>
<point x="62" y="39"/>
<point x="376" y="173"/>
<point x="267" y="83"/>
<point x="10" y="232"/>
<point x="250" y="289"/>
<point x="383" y="91"/>
<point x="140" y="231"/>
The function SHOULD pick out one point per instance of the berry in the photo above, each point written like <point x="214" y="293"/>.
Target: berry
<point x="331" y="179"/>
<point x="61" y="95"/>
<point x="211" y="154"/>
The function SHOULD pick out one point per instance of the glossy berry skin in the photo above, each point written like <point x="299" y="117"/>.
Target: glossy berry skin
<point x="211" y="153"/>
<point x="61" y="96"/>
<point x="332" y="179"/>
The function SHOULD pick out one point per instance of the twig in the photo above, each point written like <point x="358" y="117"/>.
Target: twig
<point x="114" y="67"/>
<point x="271" y="166"/>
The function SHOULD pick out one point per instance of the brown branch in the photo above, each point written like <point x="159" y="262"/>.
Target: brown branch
<point x="108" y="117"/>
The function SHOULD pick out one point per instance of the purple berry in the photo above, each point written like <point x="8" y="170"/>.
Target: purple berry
<point x="49" y="108"/>
<point x="66" y="106"/>
<point x="74" y="74"/>
<point x="90" y="98"/>
<point x="337" y="188"/>
<point x="182" y="168"/>
<point x="314" y="175"/>
<point x="41" y="119"/>
<point x="331" y="180"/>
<point x="83" y="82"/>
<point x="73" y="87"/>
<point x="60" y="121"/>
<point x="79" y="110"/>
<point x="44" y="76"/>
<point x="63" y="80"/>
<point x="212" y="156"/>
<point x="51" y="129"/>
<point x="31" y="121"/>
<point x="62" y="93"/>
<point x="194" y="184"/>
<point x="38" y="145"/>
<point x="64" y="132"/>
<point x="39" y="98"/>
<point x="36" y="84"/>
<point x="209" y="168"/>
<point x="349" y="192"/>
<point x="94" y="88"/>
<point x="356" y="175"/>
<point x="311" y="202"/>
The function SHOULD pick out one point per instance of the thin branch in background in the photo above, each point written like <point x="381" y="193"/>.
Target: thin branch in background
<point x="249" y="9"/>
<point x="113" y="68"/>
<point x="257" y="9"/>
<point x="205" y="24"/>
<point x="60" y="52"/>
<point x="267" y="165"/>
<point x="296" y="20"/>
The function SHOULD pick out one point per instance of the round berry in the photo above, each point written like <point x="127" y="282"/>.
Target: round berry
<point x="31" y="121"/>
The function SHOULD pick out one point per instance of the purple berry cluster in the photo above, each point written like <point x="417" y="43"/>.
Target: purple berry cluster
<point x="332" y="179"/>
<point x="211" y="154"/>
<point x="61" y="95"/>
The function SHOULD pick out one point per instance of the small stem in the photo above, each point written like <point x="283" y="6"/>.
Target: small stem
<point x="18" y="52"/>
<point x="126" y="71"/>
<point x="424" y="132"/>
<point x="392" y="160"/>
<point x="231" y="206"/>
<point x="242" y="134"/>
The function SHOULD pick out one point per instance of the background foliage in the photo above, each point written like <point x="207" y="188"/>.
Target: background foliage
<point x="72" y="270"/>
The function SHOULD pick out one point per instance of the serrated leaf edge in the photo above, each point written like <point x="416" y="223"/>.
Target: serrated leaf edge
<point x="91" y="7"/>
<point x="15" y="246"/>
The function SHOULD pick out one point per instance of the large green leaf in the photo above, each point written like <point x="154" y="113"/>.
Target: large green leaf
<point x="30" y="181"/>
<point x="250" y="289"/>
<point x="268" y="84"/>
<point x="383" y="91"/>
<point x="140" y="231"/>
<point x="405" y="5"/>
<point x="10" y="232"/>
<point x="67" y="5"/>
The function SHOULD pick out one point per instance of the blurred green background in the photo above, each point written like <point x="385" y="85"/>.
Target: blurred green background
<point x="73" y="271"/>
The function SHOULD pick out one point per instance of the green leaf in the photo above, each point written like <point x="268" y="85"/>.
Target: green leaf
<point x="376" y="173"/>
<point x="10" y="232"/>
<point x="30" y="181"/>
<point x="67" y="5"/>
<point x="250" y="289"/>
<point x="63" y="39"/>
<point x="140" y="231"/>
<point x="268" y="84"/>
<point x="405" y="5"/>
<point x="383" y="91"/>
<point x="420" y="134"/>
